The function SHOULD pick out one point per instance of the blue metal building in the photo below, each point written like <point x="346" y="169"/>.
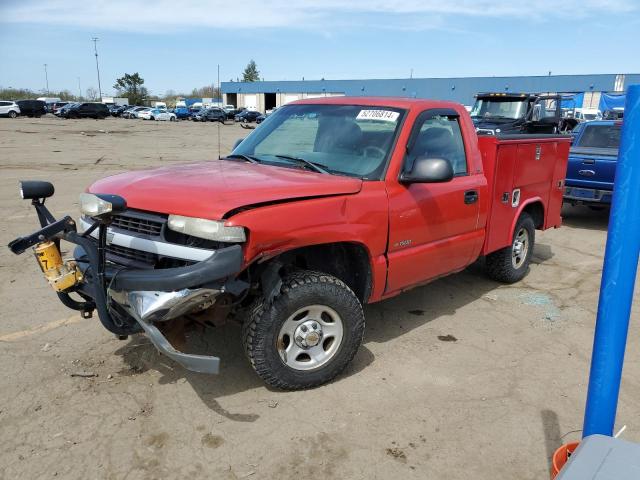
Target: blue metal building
<point x="266" y="95"/>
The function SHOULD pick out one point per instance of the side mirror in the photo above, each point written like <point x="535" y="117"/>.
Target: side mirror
<point x="237" y="142"/>
<point x="428" y="170"/>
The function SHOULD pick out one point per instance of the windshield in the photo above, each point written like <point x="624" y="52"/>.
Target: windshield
<point x="499" y="108"/>
<point x="600" y="136"/>
<point x="341" y="139"/>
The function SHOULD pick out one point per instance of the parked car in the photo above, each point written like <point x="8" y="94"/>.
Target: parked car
<point x="136" y="113"/>
<point x="247" y="116"/>
<point x="57" y="106"/>
<point x="147" y="113"/>
<point x="338" y="202"/>
<point x="87" y="110"/>
<point x="133" y="112"/>
<point x="120" y="110"/>
<point x="182" y="113"/>
<point x="117" y="110"/>
<point x="592" y="164"/>
<point x="616" y="113"/>
<point x="232" y="112"/>
<point x="587" y="114"/>
<point x="265" y="115"/>
<point x="193" y="111"/>
<point x="213" y="114"/>
<point x="130" y="111"/>
<point x="61" y="111"/>
<point x="32" y="108"/>
<point x="161" y="114"/>
<point x="9" y="109"/>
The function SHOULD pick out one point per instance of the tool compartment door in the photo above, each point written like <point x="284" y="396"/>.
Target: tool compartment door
<point x="502" y="213"/>
<point x="553" y="214"/>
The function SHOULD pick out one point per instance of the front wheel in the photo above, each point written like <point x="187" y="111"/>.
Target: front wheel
<point x="307" y="335"/>
<point x="511" y="264"/>
<point x="13" y="114"/>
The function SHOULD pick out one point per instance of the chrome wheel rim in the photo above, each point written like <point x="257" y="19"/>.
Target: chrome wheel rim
<point x="310" y="337"/>
<point x="520" y="248"/>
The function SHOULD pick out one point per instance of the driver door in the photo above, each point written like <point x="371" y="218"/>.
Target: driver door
<point x="433" y="227"/>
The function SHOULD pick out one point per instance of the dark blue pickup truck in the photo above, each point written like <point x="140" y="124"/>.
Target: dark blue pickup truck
<point x="592" y="163"/>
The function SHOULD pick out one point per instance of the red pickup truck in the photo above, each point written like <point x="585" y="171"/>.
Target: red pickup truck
<point x="329" y="204"/>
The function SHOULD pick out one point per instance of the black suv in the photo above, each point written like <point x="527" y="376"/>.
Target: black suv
<point x="87" y="110"/>
<point x="210" y="115"/>
<point x="32" y="108"/>
<point x="247" y="116"/>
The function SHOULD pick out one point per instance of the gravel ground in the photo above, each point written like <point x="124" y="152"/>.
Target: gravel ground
<point x="463" y="378"/>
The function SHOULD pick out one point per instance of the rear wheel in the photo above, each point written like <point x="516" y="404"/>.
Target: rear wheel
<point x="307" y="335"/>
<point x="511" y="264"/>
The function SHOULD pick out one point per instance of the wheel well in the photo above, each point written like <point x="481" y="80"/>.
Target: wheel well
<point x="536" y="210"/>
<point x="347" y="261"/>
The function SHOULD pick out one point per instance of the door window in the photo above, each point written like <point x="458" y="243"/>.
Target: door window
<point x="440" y="137"/>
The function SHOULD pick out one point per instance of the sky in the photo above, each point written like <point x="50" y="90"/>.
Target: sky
<point x="177" y="45"/>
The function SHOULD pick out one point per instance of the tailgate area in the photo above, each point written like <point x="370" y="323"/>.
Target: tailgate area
<point x="523" y="172"/>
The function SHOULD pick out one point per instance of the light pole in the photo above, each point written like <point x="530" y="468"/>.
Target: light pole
<point x="95" y="49"/>
<point x="46" y="77"/>
<point x="79" y="90"/>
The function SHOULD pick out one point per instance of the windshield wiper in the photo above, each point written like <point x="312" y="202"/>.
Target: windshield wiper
<point x="312" y="165"/>
<point x="248" y="158"/>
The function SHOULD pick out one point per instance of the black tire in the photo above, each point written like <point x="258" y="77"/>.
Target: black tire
<point x="263" y="323"/>
<point x="12" y="114"/>
<point x="502" y="266"/>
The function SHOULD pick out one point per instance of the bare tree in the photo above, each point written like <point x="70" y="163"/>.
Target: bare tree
<point x="92" y="94"/>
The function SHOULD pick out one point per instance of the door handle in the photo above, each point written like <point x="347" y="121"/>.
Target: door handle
<point x="470" y="196"/>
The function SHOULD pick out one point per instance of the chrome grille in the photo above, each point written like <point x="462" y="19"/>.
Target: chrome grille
<point x="132" y="254"/>
<point x="139" y="223"/>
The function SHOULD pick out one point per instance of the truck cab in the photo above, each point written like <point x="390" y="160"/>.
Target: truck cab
<point x="331" y="204"/>
<point x="508" y="113"/>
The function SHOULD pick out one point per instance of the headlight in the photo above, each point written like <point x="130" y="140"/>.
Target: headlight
<point x="93" y="206"/>
<point x="209" y="229"/>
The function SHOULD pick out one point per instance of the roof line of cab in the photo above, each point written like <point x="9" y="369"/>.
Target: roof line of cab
<point x="392" y="102"/>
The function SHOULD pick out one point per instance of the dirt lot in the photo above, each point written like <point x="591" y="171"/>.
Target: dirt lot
<point x="463" y="378"/>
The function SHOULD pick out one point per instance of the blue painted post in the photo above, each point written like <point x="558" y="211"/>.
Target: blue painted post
<point x="618" y="278"/>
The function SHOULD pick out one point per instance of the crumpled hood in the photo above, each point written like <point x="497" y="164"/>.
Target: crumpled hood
<point x="212" y="189"/>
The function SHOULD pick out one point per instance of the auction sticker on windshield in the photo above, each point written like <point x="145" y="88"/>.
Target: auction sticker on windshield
<point x="384" y="115"/>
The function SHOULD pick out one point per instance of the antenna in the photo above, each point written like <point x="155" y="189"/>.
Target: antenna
<point x="95" y="49"/>
<point x="46" y="77"/>
<point x="223" y="119"/>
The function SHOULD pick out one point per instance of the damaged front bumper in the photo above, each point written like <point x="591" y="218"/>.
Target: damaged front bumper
<point x="130" y="300"/>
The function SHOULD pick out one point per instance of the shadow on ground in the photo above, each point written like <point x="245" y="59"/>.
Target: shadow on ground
<point x="552" y="435"/>
<point x="236" y="374"/>
<point x="581" y="216"/>
<point x="392" y="318"/>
